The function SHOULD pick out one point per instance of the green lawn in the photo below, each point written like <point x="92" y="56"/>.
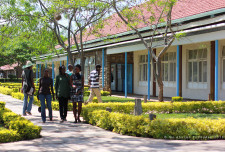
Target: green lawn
<point x="186" y="115"/>
<point x="111" y="99"/>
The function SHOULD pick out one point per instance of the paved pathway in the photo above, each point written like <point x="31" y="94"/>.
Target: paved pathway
<point x="84" y="137"/>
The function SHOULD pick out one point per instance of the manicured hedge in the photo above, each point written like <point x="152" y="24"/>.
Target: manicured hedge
<point x="19" y="127"/>
<point x="2" y="105"/>
<point x="10" y="80"/>
<point x="103" y="93"/>
<point x="6" y="91"/>
<point x="189" y="128"/>
<point x="17" y="86"/>
<point x="179" y="99"/>
<point x="162" y="107"/>
<point x="9" y="136"/>
<point x="155" y="107"/>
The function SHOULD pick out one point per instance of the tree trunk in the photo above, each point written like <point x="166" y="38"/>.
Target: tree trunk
<point x="82" y="61"/>
<point x="82" y="52"/>
<point x="70" y="56"/>
<point x="159" y="79"/>
<point x="160" y="84"/>
<point x="82" y="65"/>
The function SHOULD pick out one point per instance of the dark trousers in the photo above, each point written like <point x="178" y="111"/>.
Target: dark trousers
<point x="63" y="106"/>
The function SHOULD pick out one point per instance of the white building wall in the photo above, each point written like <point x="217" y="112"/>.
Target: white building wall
<point x="195" y="92"/>
<point x="140" y="87"/>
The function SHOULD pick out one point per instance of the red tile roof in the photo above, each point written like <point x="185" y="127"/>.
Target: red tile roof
<point x="8" y="67"/>
<point x="182" y="9"/>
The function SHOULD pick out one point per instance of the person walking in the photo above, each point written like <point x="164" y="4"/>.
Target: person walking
<point x="62" y="88"/>
<point x="45" y="83"/>
<point x="28" y="87"/>
<point x="94" y="81"/>
<point x="70" y="70"/>
<point x="76" y="93"/>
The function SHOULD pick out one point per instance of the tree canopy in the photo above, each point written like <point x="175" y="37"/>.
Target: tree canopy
<point x="22" y="32"/>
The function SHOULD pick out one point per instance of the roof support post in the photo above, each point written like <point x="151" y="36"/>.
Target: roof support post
<point x="103" y="67"/>
<point x="178" y="70"/>
<point x="216" y="69"/>
<point x="125" y="74"/>
<point x="149" y="74"/>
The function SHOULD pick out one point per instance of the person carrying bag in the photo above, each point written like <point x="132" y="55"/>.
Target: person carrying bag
<point x="27" y="88"/>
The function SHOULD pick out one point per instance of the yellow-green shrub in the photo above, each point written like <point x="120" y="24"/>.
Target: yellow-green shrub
<point x="12" y="85"/>
<point x="178" y="98"/>
<point x="156" y="107"/>
<point x="55" y="106"/>
<point x="16" y="89"/>
<point x="9" y="136"/>
<point x="188" y="128"/>
<point x="6" y="91"/>
<point x="95" y="100"/>
<point x="87" y="93"/>
<point x="25" y="128"/>
<point x="9" y="116"/>
<point x="18" y="95"/>
<point x="103" y="93"/>
<point x="2" y="105"/>
<point x="162" y="107"/>
<point x="86" y="89"/>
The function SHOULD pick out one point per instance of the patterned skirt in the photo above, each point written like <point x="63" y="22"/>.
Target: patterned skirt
<point x="76" y="98"/>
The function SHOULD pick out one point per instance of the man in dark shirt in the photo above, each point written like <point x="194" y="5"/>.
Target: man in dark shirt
<point x="62" y="91"/>
<point x="27" y="83"/>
